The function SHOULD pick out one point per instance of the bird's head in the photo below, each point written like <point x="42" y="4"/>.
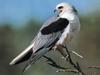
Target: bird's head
<point x="63" y="8"/>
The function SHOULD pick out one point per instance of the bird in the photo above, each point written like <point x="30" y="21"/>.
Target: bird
<point x="56" y="31"/>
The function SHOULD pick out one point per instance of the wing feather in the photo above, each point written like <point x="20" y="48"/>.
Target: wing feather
<point x="43" y="40"/>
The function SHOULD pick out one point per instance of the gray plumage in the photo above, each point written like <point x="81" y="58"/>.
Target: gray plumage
<point x="39" y="42"/>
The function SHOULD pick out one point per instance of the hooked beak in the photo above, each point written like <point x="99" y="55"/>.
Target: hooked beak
<point x="57" y="12"/>
<point x="54" y="10"/>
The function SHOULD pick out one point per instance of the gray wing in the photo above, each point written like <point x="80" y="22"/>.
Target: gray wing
<point x="49" y="32"/>
<point x="39" y="42"/>
<point x="42" y="40"/>
<point x="45" y="39"/>
<point x="43" y="44"/>
<point x="48" y="36"/>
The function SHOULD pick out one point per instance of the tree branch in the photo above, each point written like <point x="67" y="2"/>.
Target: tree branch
<point x="75" y="65"/>
<point x="68" y="58"/>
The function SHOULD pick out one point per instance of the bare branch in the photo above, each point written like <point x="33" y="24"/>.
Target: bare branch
<point x="68" y="70"/>
<point x="75" y="65"/>
<point x="53" y="63"/>
<point x="68" y="58"/>
<point x="77" y="54"/>
<point x="95" y="67"/>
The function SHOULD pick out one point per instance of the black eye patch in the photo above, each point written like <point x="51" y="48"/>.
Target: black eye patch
<point x="60" y="7"/>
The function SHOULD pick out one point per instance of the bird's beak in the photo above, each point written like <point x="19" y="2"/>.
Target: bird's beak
<point x="57" y="12"/>
<point x="54" y="10"/>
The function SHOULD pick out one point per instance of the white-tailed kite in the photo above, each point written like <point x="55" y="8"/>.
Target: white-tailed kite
<point x="58" y="30"/>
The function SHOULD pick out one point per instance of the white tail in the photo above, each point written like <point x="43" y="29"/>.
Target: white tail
<point x="21" y="55"/>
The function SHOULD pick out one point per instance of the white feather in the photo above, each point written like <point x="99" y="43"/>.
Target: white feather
<point x="22" y="54"/>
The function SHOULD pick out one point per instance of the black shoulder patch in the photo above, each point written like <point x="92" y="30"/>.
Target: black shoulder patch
<point x="56" y="26"/>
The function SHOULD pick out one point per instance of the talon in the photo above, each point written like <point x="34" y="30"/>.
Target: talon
<point x="54" y="48"/>
<point x="57" y="46"/>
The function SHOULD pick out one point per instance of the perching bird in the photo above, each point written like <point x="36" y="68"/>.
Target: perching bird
<point x="57" y="31"/>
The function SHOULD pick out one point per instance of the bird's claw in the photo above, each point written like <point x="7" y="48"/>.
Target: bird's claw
<point x="57" y="47"/>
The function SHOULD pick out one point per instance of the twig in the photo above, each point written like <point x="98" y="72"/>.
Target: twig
<point x="95" y="67"/>
<point x="60" y="68"/>
<point x="77" y="54"/>
<point x="53" y="63"/>
<point x="75" y="65"/>
<point x="68" y="70"/>
<point x="67" y="56"/>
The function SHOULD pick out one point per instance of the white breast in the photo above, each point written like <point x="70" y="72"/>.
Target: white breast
<point x="73" y="24"/>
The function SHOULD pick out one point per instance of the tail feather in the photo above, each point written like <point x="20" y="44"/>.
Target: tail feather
<point x="35" y="57"/>
<point x="25" y="58"/>
<point x="25" y="55"/>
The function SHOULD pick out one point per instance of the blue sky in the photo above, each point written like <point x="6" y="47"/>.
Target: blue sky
<point x="19" y="11"/>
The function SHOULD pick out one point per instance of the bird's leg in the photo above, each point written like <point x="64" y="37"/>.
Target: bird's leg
<point x="60" y="49"/>
<point x="54" y="48"/>
<point x="63" y="52"/>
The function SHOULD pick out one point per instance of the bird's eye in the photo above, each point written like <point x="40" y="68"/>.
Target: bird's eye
<point x="60" y="7"/>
